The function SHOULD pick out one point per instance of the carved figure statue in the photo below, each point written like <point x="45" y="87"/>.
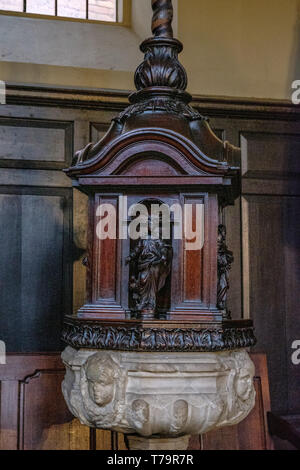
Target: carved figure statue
<point x="225" y="259"/>
<point x="152" y="260"/>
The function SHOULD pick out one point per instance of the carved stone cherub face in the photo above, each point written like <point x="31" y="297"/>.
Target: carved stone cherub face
<point x="140" y="411"/>
<point x="244" y="385"/>
<point x="180" y="411"/>
<point x="101" y="374"/>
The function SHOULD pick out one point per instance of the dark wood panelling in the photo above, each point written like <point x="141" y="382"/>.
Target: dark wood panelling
<point x="33" y="415"/>
<point x="271" y="234"/>
<point x="193" y="259"/>
<point x="291" y="289"/>
<point x="106" y="276"/>
<point x="37" y="144"/>
<point x="266" y="289"/>
<point x="258" y="162"/>
<point x="117" y="100"/>
<point x="36" y="230"/>
<point x="35" y="242"/>
<point x="264" y="233"/>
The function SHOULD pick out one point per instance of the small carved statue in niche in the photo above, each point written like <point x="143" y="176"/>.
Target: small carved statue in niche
<point x="225" y="259"/>
<point x="151" y="259"/>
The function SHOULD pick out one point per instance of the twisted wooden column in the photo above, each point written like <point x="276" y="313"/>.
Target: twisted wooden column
<point x="161" y="67"/>
<point x="162" y="18"/>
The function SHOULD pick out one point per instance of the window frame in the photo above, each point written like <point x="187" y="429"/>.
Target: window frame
<point x="126" y="22"/>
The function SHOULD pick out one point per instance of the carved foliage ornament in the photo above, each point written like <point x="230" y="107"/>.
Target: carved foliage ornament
<point x="95" y="336"/>
<point x="164" y="104"/>
<point x="161" y="67"/>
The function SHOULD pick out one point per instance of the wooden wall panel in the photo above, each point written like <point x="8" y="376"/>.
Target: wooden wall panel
<point x="33" y="415"/>
<point x="9" y="416"/>
<point x="29" y="143"/>
<point x="273" y="232"/>
<point x="107" y="255"/>
<point x="271" y="243"/>
<point x="266" y="300"/>
<point x="38" y="239"/>
<point x="264" y="234"/>
<point x="35" y="240"/>
<point x="193" y="265"/>
<point x="291" y="288"/>
<point x="259" y="162"/>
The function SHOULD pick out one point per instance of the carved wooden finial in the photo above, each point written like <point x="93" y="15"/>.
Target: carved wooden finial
<point x="162" y="18"/>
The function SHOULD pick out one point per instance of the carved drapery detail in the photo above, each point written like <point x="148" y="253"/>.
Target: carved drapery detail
<point x="151" y="261"/>
<point x="225" y="260"/>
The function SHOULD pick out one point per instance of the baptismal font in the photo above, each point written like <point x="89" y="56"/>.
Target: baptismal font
<point x="154" y="353"/>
